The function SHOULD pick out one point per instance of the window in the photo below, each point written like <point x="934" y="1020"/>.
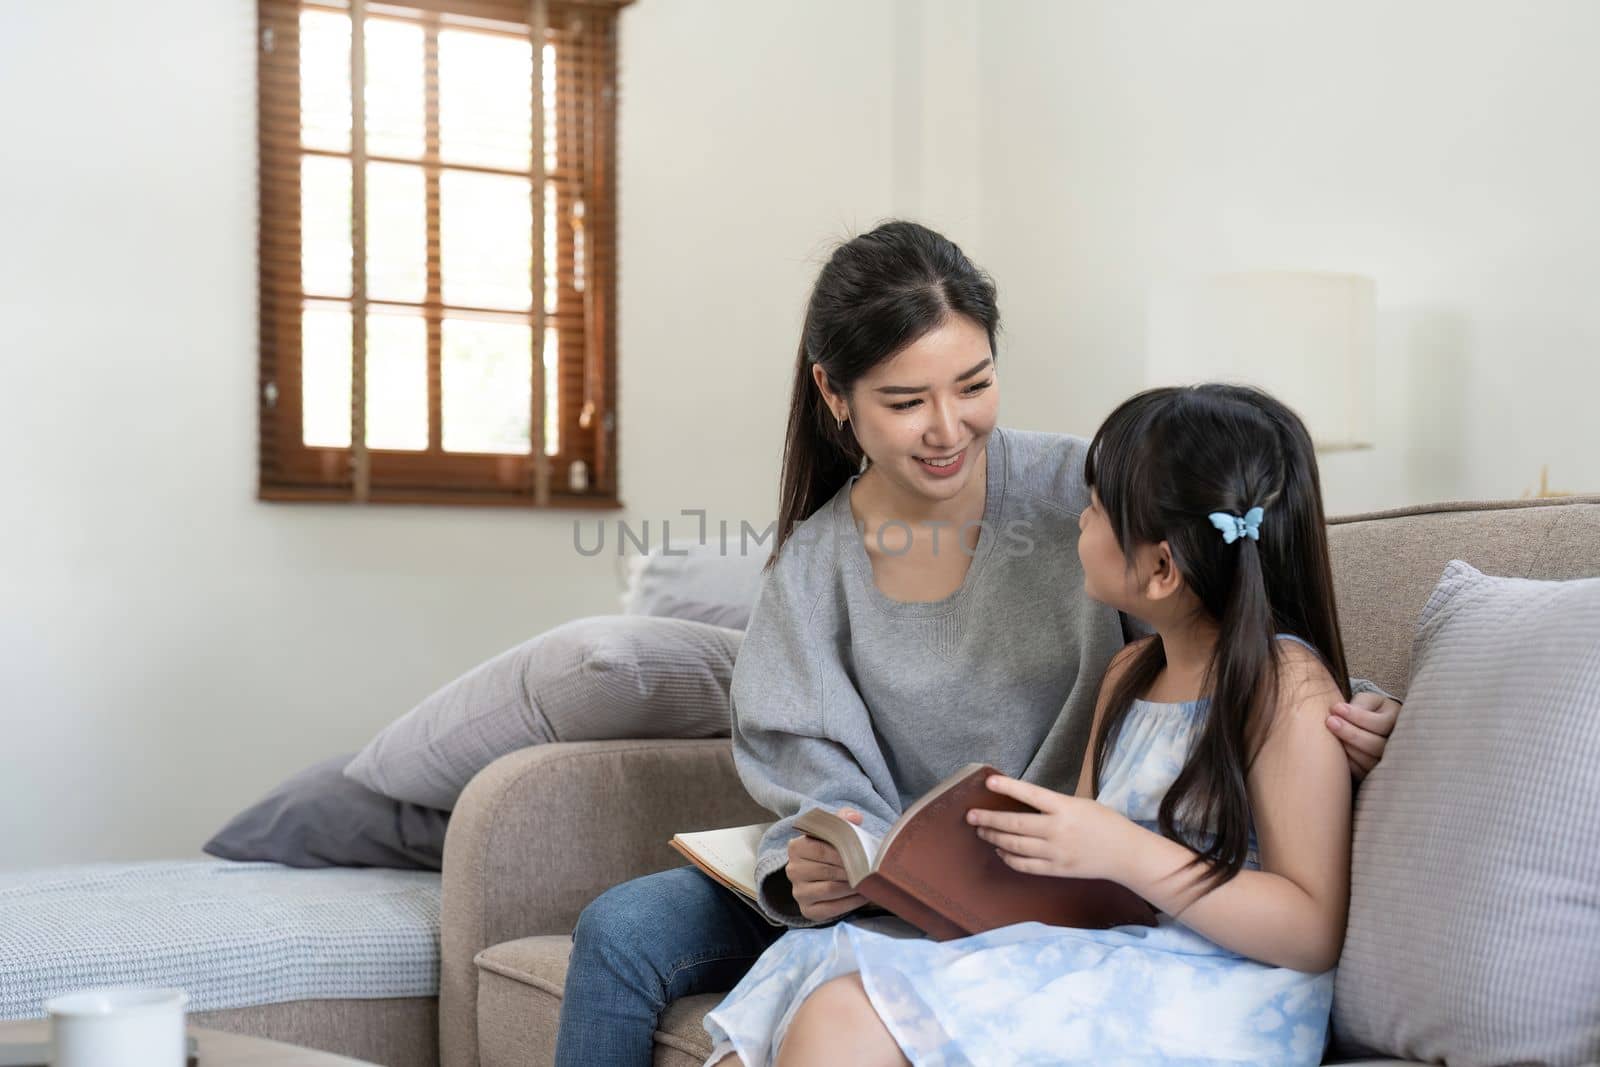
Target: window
<point x="438" y="253"/>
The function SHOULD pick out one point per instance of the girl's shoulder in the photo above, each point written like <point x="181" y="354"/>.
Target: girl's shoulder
<point x="1300" y="664"/>
<point x="1304" y="684"/>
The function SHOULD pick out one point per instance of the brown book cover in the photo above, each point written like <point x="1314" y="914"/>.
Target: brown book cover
<point x="932" y="869"/>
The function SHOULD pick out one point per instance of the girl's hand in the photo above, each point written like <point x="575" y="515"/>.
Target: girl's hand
<point x="1069" y="837"/>
<point x="1363" y="727"/>
<point x="816" y="875"/>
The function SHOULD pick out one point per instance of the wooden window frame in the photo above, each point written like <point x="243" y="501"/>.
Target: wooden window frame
<point x="290" y="470"/>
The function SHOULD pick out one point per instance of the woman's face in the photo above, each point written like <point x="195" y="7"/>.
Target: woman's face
<point x="924" y="417"/>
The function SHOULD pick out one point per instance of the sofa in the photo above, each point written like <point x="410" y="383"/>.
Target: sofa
<point x="541" y="832"/>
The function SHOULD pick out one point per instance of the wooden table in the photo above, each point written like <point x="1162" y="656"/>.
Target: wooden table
<point x="216" y="1049"/>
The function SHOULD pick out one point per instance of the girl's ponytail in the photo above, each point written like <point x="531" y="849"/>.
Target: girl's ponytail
<point x="1297" y="560"/>
<point x="1213" y="785"/>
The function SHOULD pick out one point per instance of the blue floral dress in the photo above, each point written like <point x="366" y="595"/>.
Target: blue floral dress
<point x="1036" y="994"/>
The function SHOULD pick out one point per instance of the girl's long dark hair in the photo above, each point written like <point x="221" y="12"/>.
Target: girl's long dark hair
<point x="878" y="293"/>
<point x="1161" y="464"/>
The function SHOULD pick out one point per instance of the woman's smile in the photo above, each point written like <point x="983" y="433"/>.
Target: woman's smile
<point x="945" y="466"/>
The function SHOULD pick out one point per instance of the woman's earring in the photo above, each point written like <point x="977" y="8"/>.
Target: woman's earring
<point x="841" y="423"/>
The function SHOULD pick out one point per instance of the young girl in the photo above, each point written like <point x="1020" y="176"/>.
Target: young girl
<point x="1210" y="786"/>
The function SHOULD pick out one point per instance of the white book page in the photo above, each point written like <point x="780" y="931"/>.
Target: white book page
<point x="870" y="842"/>
<point x="732" y="851"/>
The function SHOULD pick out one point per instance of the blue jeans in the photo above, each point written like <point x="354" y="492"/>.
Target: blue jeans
<point x="643" y="944"/>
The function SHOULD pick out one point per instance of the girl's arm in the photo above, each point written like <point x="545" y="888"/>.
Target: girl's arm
<point x="1291" y="913"/>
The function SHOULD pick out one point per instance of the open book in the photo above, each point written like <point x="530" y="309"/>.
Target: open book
<point x="931" y="868"/>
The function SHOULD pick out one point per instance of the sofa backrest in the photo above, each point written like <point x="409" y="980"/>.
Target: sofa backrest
<point x="1386" y="563"/>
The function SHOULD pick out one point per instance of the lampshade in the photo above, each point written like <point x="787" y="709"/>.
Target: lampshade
<point x="1305" y="337"/>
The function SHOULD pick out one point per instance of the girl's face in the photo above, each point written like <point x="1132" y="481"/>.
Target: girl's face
<point x="924" y="417"/>
<point x="1146" y="585"/>
<point x="1105" y="568"/>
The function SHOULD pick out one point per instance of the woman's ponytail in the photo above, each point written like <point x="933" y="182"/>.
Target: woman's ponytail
<point x="819" y="456"/>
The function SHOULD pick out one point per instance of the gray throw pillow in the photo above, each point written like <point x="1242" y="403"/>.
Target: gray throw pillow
<point x="1474" y="934"/>
<point x="610" y="676"/>
<point x="320" y="818"/>
<point x="728" y="616"/>
<point x="716" y="582"/>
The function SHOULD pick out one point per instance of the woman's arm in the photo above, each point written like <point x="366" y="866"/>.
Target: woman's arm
<point x="800" y="881"/>
<point x="802" y="739"/>
<point x="1363" y="726"/>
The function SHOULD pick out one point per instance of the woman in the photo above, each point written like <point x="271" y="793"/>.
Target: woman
<point x="926" y="569"/>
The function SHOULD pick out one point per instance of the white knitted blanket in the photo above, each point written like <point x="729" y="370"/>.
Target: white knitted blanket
<point x="230" y="934"/>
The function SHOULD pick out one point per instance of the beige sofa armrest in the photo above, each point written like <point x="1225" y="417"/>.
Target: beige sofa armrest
<point x="541" y="832"/>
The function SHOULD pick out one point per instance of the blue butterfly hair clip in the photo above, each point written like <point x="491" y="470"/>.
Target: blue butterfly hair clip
<point x="1233" y="527"/>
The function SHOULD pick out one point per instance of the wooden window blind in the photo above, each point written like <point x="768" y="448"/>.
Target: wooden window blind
<point x="438" y="252"/>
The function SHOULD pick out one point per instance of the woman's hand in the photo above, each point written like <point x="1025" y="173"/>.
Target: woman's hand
<point x="1069" y="837"/>
<point x="1363" y="727"/>
<point x="816" y="874"/>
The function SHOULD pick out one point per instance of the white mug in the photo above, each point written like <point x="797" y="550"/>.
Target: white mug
<point x="118" y="1028"/>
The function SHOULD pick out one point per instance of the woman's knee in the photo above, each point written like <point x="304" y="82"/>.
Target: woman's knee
<point x="618" y="915"/>
<point x="645" y="918"/>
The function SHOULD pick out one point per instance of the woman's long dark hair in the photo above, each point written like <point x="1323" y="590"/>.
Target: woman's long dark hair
<point x="877" y="293"/>
<point x="1161" y="464"/>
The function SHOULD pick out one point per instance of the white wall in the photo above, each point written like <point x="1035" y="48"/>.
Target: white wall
<point x="1447" y="148"/>
<point x="752" y="138"/>
<point x="169" y="646"/>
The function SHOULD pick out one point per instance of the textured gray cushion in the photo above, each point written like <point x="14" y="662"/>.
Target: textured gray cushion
<point x="594" y="679"/>
<point x="320" y="818"/>
<point x="229" y="934"/>
<point x="1474" y="934"/>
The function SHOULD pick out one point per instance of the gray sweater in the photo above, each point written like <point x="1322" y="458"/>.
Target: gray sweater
<point x="842" y="696"/>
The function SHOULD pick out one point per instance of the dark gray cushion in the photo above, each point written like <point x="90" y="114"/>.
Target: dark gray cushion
<point x="320" y="818"/>
<point x="1474" y="934"/>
